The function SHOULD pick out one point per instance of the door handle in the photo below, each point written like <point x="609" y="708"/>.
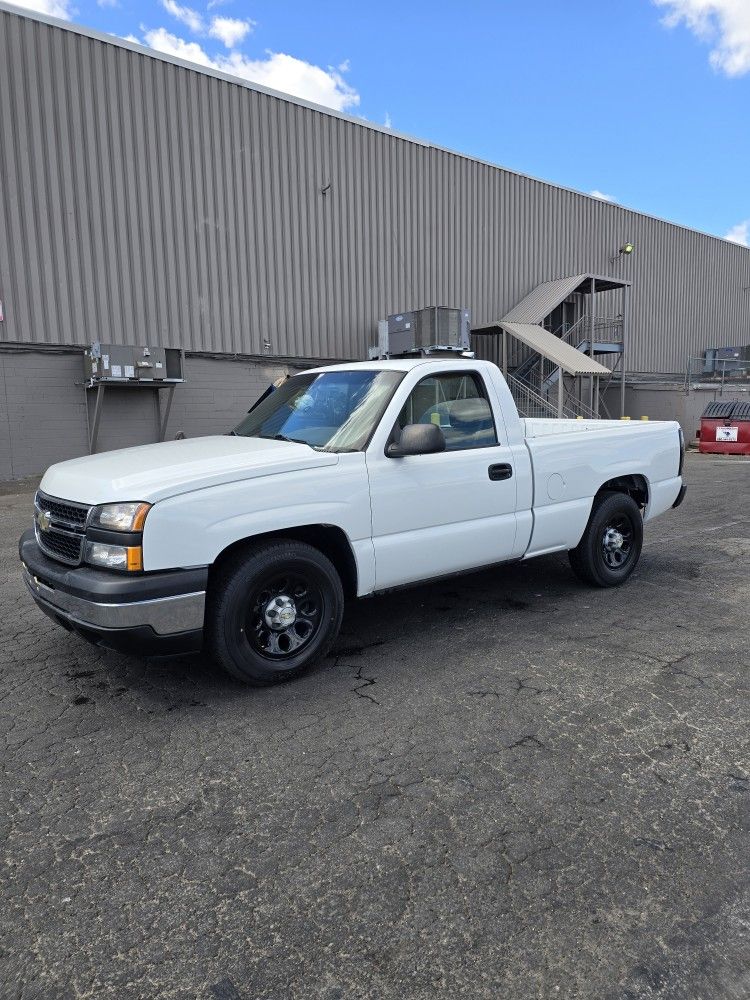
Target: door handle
<point x="501" y="471"/>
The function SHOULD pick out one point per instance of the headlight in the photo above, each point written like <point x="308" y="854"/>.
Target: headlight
<point x="128" y="558"/>
<point x="120" y="516"/>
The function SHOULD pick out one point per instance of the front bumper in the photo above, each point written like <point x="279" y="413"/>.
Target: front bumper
<point x="153" y="614"/>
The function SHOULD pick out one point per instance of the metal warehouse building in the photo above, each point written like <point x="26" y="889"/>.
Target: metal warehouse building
<point x="146" y="201"/>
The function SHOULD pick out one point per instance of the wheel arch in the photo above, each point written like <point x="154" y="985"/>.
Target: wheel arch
<point x="329" y="539"/>
<point x="633" y="484"/>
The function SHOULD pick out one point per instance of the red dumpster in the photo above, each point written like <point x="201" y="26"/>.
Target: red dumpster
<point x="725" y="428"/>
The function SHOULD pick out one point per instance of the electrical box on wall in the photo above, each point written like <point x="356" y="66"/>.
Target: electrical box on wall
<point x="126" y="363"/>
<point x="123" y="366"/>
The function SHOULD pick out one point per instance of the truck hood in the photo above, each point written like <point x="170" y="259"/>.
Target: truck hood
<point x="154" y="472"/>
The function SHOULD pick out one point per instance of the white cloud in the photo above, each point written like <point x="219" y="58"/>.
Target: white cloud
<point x="131" y="38"/>
<point x="740" y="234"/>
<point x="280" y="71"/>
<point x="164" y="41"/>
<point x="277" y="71"/>
<point x="186" y="15"/>
<point x="55" y="8"/>
<point x="602" y="196"/>
<point x="725" y="24"/>
<point x="388" y="123"/>
<point x="230" y="30"/>
<point x="108" y="3"/>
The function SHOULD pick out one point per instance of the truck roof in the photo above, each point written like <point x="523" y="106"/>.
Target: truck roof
<point x="398" y="364"/>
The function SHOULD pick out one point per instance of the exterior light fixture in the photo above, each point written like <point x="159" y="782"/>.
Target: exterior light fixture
<point x="625" y="251"/>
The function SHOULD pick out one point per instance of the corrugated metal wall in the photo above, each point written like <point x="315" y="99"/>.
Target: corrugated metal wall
<point x="144" y="202"/>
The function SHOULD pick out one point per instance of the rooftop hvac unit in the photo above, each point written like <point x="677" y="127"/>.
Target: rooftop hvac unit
<point x="727" y="361"/>
<point x="423" y="331"/>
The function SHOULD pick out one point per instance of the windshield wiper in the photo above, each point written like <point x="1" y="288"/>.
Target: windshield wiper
<point x="283" y="437"/>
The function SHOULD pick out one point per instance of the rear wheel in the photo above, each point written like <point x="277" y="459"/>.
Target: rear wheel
<point x="273" y="611"/>
<point x="611" y="545"/>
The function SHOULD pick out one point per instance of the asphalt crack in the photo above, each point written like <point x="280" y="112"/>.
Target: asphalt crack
<point x="361" y="689"/>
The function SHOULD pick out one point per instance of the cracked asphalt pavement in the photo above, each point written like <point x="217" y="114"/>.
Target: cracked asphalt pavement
<point x="505" y="785"/>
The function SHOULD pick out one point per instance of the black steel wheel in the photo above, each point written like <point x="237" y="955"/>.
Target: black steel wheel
<point x="611" y="545"/>
<point x="617" y="541"/>
<point x="273" y="610"/>
<point x="284" y="613"/>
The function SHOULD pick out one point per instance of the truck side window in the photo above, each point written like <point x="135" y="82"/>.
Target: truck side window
<point x="457" y="403"/>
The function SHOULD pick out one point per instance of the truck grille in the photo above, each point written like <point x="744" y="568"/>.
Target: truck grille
<point x="59" y="526"/>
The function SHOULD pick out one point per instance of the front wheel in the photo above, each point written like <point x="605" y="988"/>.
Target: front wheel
<point x="273" y="610"/>
<point x="611" y="545"/>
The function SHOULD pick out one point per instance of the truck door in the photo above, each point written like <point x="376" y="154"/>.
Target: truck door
<point x="446" y="512"/>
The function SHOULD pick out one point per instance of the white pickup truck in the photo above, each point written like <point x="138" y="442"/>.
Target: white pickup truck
<point x="344" y="481"/>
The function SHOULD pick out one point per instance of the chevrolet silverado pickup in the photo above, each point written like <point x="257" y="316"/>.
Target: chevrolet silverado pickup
<point x="344" y="481"/>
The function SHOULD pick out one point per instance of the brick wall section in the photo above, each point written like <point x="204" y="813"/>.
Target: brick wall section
<point x="44" y="414"/>
<point x="218" y="393"/>
<point x="43" y="407"/>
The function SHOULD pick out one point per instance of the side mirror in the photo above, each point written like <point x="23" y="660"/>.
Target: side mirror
<point x="417" y="439"/>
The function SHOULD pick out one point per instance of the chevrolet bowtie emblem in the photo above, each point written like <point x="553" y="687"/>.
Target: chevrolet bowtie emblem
<point x="44" y="520"/>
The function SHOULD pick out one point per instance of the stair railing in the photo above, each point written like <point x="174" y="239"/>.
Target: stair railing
<point x="532" y="404"/>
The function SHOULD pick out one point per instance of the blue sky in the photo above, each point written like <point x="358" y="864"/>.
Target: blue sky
<point x="644" y="101"/>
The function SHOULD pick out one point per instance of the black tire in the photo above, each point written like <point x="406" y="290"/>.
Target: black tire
<point x="611" y="545"/>
<point x="265" y="584"/>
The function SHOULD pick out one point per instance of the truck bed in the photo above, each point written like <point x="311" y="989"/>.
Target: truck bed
<point x="571" y="459"/>
<point x="536" y="427"/>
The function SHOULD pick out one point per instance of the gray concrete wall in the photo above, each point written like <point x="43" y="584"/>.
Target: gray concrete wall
<point x="43" y="407"/>
<point x="670" y="403"/>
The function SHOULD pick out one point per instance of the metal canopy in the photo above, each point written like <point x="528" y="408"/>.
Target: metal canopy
<point x="565" y="356"/>
<point x="540" y="301"/>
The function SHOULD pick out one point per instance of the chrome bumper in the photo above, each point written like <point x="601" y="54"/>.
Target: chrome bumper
<point x="165" y="615"/>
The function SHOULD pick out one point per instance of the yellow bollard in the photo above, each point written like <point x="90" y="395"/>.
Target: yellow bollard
<point x="578" y="416"/>
<point x="644" y="418"/>
<point x="624" y="418"/>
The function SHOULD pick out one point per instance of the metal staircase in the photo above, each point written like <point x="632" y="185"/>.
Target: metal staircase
<point x="540" y="375"/>
<point x="528" y="402"/>
<point x="527" y="368"/>
<point x="553" y="368"/>
<point x="531" y="404"/>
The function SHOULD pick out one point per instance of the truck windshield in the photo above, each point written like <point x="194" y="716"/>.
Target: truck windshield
<point x="331" y="411"/>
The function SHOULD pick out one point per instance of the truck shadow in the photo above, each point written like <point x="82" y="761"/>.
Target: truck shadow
<point x="527" y="586"/>
<point x="397" y="619"/>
